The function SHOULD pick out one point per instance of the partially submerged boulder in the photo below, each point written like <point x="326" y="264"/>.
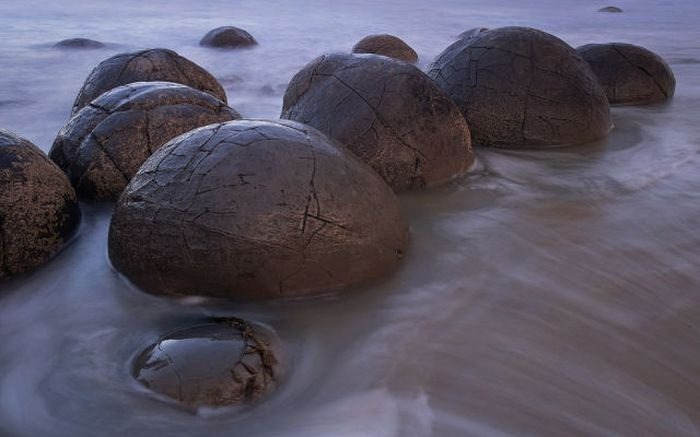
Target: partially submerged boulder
<point x="228" y="37"/>
<point x="146" y="66"/>
<point x="629" y="74"/>
<point x="38" y="208"/>
<point x="612" y="9"/>
<point x="78" y="43"/>
<point x="255" y="209"/>
<point x="387" y="112"/>
<point x="106" y="142"/>
<point x="520" y="87"/>
<point x="214" y="363"/>
<point x="386" y="45"/>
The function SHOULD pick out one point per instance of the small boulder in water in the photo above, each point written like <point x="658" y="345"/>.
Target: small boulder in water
<point x="38" y="207"/>
<point x="78" y="43"/>
<point x="386" y="45"/>
<point x="228" y="37"/>
<point x="219" y="362"/>
<point x="146" y="66"/>
<point x="612" y="9"/>
<point x="629" y="74"/>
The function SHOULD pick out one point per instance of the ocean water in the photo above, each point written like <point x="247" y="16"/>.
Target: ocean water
<point x="547" y="293"/>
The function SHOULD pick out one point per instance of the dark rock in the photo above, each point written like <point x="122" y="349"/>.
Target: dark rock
<point x="255" y="209"/>
<point x="78" y="43"/>
<point x="38" y="208"/>
<point x="219" y="362"/>
<point x="227" y="37"/>
<point x="388" y="112"/>
<point x="613" y="9"/>
<point x="629" y="74"/>
<point x="520" y="87"/>
<point x="386" y="45"/>
<point x="146" y="66"/>
<point x="106" y="142"/>
<point x="471" y="33"/>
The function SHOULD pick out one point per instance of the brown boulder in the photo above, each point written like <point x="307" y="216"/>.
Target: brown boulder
<point x="219" y="362"/>
<point x="520" y="87"/>
<point x="145" y="66"/>
<point x="106" y="142"/>
<point x="38" y="208"/>
<point x="228" y="37"/>
<point x="387" y="112"/>
<point x="629" y="74"/>
<point x="255" y="209"/>
<point x="386" y="45"/>
<point x="471" y="33"/>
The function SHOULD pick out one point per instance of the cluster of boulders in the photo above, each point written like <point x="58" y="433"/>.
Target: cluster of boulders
<point x="215" y="205"/>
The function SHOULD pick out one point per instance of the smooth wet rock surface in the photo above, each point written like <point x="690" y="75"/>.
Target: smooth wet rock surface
<point x="386" y="45"/>
<point x="255" y="209"/>
<point x="629" y="74"/>
<point x="218" y="362"/>
<point x="38" y="208"/>
<point x="146" y="66"/>
<point x="228" y="37"/>
<point x="105" y="143"/>
<point x="78" y="43"/>
<point x="387" y="112"/>
<point x="522" y="88"/>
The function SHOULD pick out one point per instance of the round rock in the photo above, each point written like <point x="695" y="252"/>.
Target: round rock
<point x="471" y="33"/>
<point x="613" y="9"/>
<point x="228" y="37"/>
<point x="387" y="112"/>
<point x="629" y="74"/>
<point x="146" y="66"/>
<point x="106" y="142"/>
<point x="386" y="45"/>
<point x="38" y="208"/>
<point x="78" y="43"/>
<point x="520" y="87"/>
<point x="255" y="209"/>
<point x="219" y="362"/>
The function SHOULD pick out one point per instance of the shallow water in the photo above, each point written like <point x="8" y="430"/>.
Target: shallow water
<point x="551" y="292"/>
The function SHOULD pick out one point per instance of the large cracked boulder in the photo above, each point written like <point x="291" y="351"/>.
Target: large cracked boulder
<point x="229" y="37"/>
<point x="38" y="208"/>
<point x="215" y="363"/>
<point x="106" y="142"/>
<point x="255" y="209"/>
<point x="146" y="66"/>
<point x="388" y="113"/>
<point x="386" y="45"/>
<point x="629" y="74"/>
<point x="520" y="87"/>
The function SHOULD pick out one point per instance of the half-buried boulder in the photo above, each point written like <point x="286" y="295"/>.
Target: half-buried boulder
<point x="78" y="43"/>
<point x="255" y="209"/>
<point x="387" y="112"/>
<point x="228" y="37"/>
<point x="629" y="74"/>
<point x="520" y="87"/>
<point x="218" y="362"/>
<point x="145" y="66"/>
<point x="106" y="142"/>
<point x="38" y="208"/>
<point x="386" y="45"/>
<point x="612" y="9"/>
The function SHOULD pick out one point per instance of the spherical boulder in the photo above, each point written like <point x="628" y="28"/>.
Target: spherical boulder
<point x="146" y="66"/>
<point x="106" y="142"/>
<point x="520" y="87"/>
<point x="217" y="362"/>
<point x="387" y="112"/>
<point x="228" y="37"/>
<point x="629" y="74"/>
<point x="471" y="33"/>
<point x="386" y="45"/>
<point x="38" y="208"/>
<point x="255" y="209"/>
<point x="78" y="43"/>
<point x="612" y="9"/>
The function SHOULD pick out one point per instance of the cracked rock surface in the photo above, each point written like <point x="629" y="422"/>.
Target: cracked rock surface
<point x="629" y="74"/>
<point x="471" y="33"/>
<point x="219" y="362"/>
<point x="146" y="66"/>
<point x="388" y="113"/>
<point x="386" y="45"/>
<point x="255" y="209"/>
<point x="38" y="208"/>
<point x="105" y="143"/>
<point x="228" y="37"/>
<point x="520" y="87"/>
